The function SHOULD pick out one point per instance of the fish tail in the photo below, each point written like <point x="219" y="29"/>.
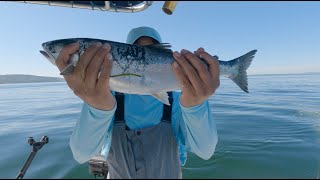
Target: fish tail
<point x="243" y="62"/>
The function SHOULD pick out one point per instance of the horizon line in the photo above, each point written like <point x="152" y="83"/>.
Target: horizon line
<point x="262" y="74"/>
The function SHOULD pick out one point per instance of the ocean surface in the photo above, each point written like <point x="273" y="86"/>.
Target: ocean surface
<point x="272" y="132"/>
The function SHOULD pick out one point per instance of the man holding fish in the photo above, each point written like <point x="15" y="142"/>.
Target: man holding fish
<point x="139" y="136"/>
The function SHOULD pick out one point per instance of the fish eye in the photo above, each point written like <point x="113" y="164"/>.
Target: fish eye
<point x="51" y="49"/>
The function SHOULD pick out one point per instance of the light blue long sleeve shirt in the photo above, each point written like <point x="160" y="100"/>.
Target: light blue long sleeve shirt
<point x="193" y="127"/>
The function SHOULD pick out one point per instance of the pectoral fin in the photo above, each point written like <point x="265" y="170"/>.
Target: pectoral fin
<point x="67" y="70"/>
<point x="163" y="97"/>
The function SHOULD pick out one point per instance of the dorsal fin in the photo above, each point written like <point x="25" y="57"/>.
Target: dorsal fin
<point x="161" y="46"/>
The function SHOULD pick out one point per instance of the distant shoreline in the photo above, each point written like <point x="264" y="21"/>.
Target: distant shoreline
<point x="21" y="78"/>
<point x="308" y="73"/>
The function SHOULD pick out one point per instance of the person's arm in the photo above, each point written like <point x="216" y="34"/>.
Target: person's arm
<point x="194" y="125"/>
<point x="92" y="133"/>
<point x="90" y="82"/>
<point x="195" y="129"/>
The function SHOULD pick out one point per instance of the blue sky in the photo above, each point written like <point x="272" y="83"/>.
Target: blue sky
<point x="286" y="34"/>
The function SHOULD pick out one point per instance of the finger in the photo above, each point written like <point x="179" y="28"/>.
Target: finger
<point x="201" y="49"/>
<point x="190" y="71"/>
<point x="182" y="78"/>
<point x="214" y="69"/>
<point x="199" y="66"/>
<point x="213" y="64"/>
<point x="103" y="81"/>
<point x="85" y="59"/>
<point x="94" y="66"/>
<point x="66" y="52"/>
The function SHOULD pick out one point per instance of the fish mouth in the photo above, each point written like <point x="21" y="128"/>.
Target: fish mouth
<point x="45" y="54"/>
<point x="49" y="56"/>
<point x="46" y="48"/>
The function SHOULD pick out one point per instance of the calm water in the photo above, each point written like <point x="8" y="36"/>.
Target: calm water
<point x="272" y="132"/>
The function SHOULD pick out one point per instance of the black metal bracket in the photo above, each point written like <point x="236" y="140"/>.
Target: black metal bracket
<point x="36" y="146"/>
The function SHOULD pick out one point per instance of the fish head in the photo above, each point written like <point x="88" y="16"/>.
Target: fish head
<point x="52" y="49"/>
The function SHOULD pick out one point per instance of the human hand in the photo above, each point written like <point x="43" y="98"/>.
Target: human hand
<point x="198" y="81"/>
<point x="85" y="81"/>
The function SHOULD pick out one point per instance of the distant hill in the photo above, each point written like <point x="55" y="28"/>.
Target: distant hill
<point x="20" y="78"/>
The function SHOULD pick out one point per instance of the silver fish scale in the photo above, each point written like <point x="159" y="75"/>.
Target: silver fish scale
<point x="132" y="57"/>
<point x="152" y="64"/>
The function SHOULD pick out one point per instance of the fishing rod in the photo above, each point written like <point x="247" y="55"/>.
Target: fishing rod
<point x="36" y="146"/>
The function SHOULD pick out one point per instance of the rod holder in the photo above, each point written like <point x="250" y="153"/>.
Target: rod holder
<point x="36" y="146"/>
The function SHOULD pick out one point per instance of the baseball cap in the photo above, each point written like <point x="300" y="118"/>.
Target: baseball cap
<point x="138" y="32"/>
